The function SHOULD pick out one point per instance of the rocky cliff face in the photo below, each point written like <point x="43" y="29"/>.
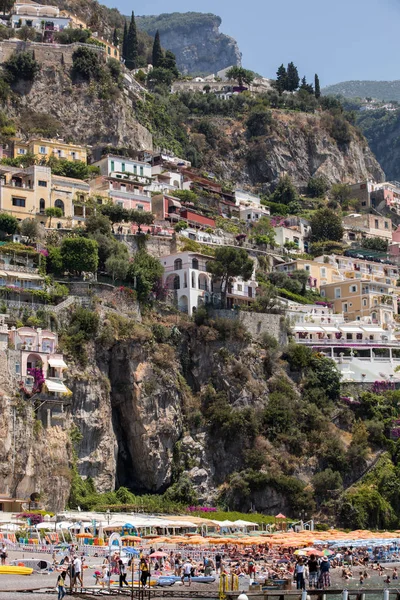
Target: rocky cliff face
<point x="81" y="113"/>
<point x="298" y="144"/>
<point x="32" y="458"/>
<point x="195" y="39"/>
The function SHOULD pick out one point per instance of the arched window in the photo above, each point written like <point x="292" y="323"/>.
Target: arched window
<point x="177" y="283"/>
<point x="178" y="264"/>
<point x="42" y="205"/>
<point x="193" y="281"/>
<point x="195" y="264"/>
<point x="60" y="204"/>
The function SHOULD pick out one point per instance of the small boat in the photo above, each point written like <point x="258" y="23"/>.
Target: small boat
<point x="166" y="580"/>
<point x="15" y="570"/>
<point x="39" y="566"/>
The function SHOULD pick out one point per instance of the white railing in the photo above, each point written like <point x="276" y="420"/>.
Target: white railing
<point x="369" y="343"/>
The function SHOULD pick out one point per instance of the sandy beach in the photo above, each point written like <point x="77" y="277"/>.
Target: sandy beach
<point x="11" y="586"/>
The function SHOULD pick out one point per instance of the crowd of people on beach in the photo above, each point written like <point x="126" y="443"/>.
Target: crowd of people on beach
<point x="262" y="564"/>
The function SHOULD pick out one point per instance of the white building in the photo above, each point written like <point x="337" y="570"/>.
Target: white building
<point x="252" y="215"/>
<point x="116" y="166"/>
<point x="41" y="17"/>
<point x="186" y="274"/>
<point x="285" y="235"/>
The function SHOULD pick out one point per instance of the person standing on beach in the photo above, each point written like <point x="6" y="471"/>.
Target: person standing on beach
<point x="324" y="577"/>
<point x="61" y="585"/>
<point x="313" y="571"/>
<point x="3" y="553"/>
<point x="299" y="575"/>
<point x="187" y="571"/>
<point x="122" y="574"/>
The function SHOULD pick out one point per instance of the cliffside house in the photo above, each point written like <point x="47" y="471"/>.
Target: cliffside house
<point x="186" y="274"/>
<point x="363" y="298"/>
<point x="364" y="226"/>
<point x="26" y="193"/>
<point x="45" y="149"/>
<point x="119" y="166"/>
<point x="124" y="190"/>
<point x="36" y="358"/>
<point x="43" y="18"/>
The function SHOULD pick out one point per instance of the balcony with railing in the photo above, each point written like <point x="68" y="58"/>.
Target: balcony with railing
<point x="181" y="266"/>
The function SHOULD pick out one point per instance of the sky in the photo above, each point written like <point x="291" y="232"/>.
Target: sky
<point x="340" y="40"/>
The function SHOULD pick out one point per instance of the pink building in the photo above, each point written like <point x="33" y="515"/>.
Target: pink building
<point x="37" y="349"/>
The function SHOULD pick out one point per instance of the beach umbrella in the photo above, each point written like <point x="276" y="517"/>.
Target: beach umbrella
<point x="133" y="551"/>
<point x="300" y="553"/>
<point x="158" y="554"/>
<point x="84" y="535"/>
<point x="131" y="538"/>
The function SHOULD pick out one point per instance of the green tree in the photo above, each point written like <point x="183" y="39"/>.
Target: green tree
<point x="86" y="64"/>
<point x="317" y="88"/>
<point x="378" y="244"/>
<point x="30" y="229"/>
<point x="281" y="79"/>
<point x="115" y="37"/>
<point x="157" y="54"/>
<point x="53" y="211"/>
<point x="293" y="78"/>
<point x="79" y="255"/>
<point x="124" y="40"/>
<point x="144" y="272"/>
<point x="100" y="223"/>
<point x="169" y="63"/>
<point x="159" y="76"/>
<point x="317" y="187"/>
<point x="6" y="6"/>
<point x="326" y="482"/>
<point x="326" y="225"/>
<point x="131" y="50"/>
<point x="242" y="76"/>
<point x="21" y="66"/>
<point x="117" y="267"/>
<point x="285" y="192"/>
<point x="258" y="122"/>
<point x="8" y="224"/>
<point x="54" y="262"/>
<point x="307" y="87"/>
<point x="115" y="212"/>
<point x="227" y="264"/>
<point x="263" y="233"/>
<point x="140" y="217"/>
<point x="340" y="192"/>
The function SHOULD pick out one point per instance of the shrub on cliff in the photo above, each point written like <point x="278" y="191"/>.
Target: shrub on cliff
<point x="86" y="64"/>
<point x="21" y="66"/>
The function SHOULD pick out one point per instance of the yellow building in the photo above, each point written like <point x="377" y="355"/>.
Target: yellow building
<point x="26" y="193"/>
<point x="319" y="274"/>
<point x="359" y="268"/>
<point x="77" y="23"/>
<point x="362" y="298"/>
<point x="45" y="149"/>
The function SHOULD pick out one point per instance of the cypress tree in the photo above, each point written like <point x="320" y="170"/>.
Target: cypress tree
<point x="124" y="40"/>
<point x="281" y="79"/>
<point x="158" y="56"/>
<point x="317" y="88"/>
<point x="131" y="57"/>
<point x="115" y="37"/>
<point x="293" y="78"/>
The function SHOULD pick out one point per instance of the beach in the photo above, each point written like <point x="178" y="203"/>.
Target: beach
<point x="11" y="586"/>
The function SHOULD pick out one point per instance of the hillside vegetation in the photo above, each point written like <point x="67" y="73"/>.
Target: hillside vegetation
<point x="381" y="90"/>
